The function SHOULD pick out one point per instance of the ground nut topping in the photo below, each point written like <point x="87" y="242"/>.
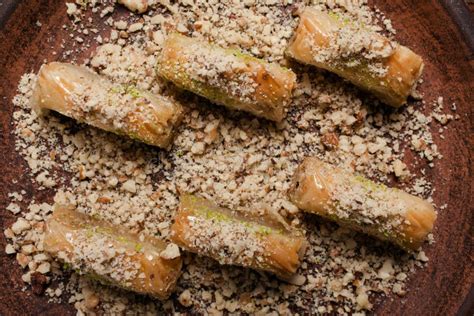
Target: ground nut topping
<point x="238" y="242"/>
<point x="231" y="158"/>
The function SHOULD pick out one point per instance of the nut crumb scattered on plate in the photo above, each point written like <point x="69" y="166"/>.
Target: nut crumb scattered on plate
<point x="234" y="159"/>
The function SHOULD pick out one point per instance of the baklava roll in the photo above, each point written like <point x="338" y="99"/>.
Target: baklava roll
<point x="85" y="96"/>
<point x="346" y="47"/>
<point x="262" y="244"/>
<point x="111" y="254"/>
<point x="359" y="203"/>
<point x="227" y="77"/>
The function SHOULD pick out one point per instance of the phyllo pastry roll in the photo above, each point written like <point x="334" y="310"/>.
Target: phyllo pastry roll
<point x="85" y="96"/>
<point x="354" y="201"/>
<point x="227" y="76"/>
<point x="111" y="254"/>
<point x="263" y="244"/>
<point x="345" y="46"/>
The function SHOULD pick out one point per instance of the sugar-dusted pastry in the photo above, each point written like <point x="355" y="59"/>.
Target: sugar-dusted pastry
<point x="85" y="96"/>
<point x="227" y="76"/>
<point x="345" y="46"/>
<point x="354" y="201"/>
<point x="263" y="244"/>
<point x="111" y="254"/>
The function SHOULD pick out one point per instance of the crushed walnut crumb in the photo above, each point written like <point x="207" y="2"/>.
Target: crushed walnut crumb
<point x="233" y="159"/>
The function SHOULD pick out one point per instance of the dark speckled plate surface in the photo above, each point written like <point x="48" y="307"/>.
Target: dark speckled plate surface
<point x="441" y="31"/>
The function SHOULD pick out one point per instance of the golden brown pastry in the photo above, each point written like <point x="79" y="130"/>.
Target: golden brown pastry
<point x="227" y="77"/>
<point x="111" y="254"/>
<point x="354" y="201"/>
<point x="208" y="230"/>
<point x="83" y="95"/>
<point x="346" y="47"/>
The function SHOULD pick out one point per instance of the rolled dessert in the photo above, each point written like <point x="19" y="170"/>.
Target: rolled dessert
<point x="227" y="76"/>
<point x="361" y="204"/>
<point x="111" y="254"/>
<point x="230" y="238"/>
<point x="343" y="45"/>
<point x="87" y="97"/>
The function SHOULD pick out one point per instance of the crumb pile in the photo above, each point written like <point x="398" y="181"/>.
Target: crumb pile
<point x="231" y="158"/>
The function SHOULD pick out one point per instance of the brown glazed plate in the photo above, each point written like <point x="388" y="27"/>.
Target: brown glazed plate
<point x="441" y="31"/>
